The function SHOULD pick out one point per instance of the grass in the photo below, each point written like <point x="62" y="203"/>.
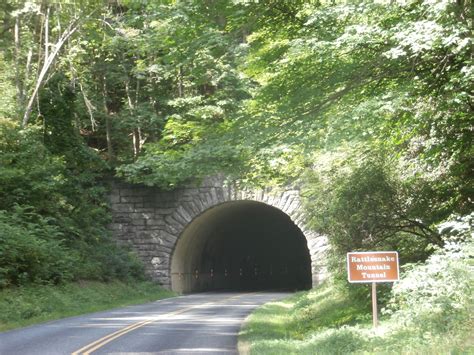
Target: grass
<point x="283" y="327"/>
<point x="329" y="320"/>
<point x="28" y="305"/>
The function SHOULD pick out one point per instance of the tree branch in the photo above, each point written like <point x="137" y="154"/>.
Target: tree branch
<point x="73" y="26"/>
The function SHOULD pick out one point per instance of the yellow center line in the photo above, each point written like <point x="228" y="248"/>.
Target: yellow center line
<point x="106" y="337"/>
<point x="89" y="348"/>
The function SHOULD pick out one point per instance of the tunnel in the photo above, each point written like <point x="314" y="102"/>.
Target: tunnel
<point x="241" y="245"/>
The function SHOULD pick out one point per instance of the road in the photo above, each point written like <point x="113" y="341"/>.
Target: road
<point x="204" y="323"/>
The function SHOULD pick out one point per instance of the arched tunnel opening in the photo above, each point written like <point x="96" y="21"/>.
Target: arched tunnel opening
<point x="241" y="245"/>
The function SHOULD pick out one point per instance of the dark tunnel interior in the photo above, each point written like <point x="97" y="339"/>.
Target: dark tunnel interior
<point x="242" y="245"/>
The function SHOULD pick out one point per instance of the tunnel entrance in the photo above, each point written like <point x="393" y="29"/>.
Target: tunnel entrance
<point x="241" y="245"/>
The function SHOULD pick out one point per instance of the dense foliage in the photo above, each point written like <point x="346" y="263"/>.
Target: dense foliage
<point x="53" y="214"/>
<point x="367" y="106"/>
<point x="374" y="103"/>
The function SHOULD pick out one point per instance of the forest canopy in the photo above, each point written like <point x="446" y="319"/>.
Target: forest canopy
<point x="365" y="105"/>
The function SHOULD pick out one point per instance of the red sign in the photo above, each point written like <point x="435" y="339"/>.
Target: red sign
<point x="372" y="266"/>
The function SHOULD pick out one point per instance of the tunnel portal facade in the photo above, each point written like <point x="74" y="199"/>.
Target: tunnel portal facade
<point x="219" y="237"/>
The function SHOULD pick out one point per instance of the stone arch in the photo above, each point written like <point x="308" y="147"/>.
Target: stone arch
<point x="152" y="220"/>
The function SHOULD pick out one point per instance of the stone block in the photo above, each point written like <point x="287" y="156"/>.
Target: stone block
<point x="220" y="195"/>
<point x="191" y="208"/>
<point x="115" y="226"/>
<point x="131" y="199"/>
<point x="184" y="214"/>
<point x="270" y="200"/>
<point x="143" y="215"/>
<point x="212" y="195"/>
<point x="205" y="201"/>
<point x="227" y="191"/>
<point x="128" y="192"/>
<point x="164" y="211"/>
<point x="155" y="222"/>
<point x="169" y="204"/>
<point x="138" y="222"/>
<point x="144" y="210"/>
<point x="173" y="229"/>
<point x="115" y="198"/>
<point x="121" y="218"/>
<point x="122" y="207"/>
<point x="169" y="238"/>
<point x="199" y="206"/>
<point x="295" y="205"/>
<point x="176" y="223"/>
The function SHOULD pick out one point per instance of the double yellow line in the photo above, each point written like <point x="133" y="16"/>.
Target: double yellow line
<point x="86" y="350"/>
<point x="89" y="348"/>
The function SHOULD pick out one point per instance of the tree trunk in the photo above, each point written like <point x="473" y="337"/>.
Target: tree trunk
<point x="46" y="65"/>
<point x="180" y="82"/>
<point x="46" y="34"/>
<point x="29" y="58"/>
<point x="18" y="82"/>
<point x="108" y="133"/>
<point x="137" y="133"/>
<point x="108" y="124"/>
<point x="136" y="142"/>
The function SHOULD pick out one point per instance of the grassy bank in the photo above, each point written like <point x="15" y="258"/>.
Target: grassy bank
<point x="324" y="321"/>
<point x="430" y="311"/>
<point x="33" y="304"/>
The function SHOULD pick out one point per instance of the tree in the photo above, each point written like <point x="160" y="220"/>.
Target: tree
<point x="189" y="59"/>
<point x="361" y="202"/>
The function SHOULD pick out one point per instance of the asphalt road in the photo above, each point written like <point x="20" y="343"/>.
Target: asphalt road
<point x="204" y="323"/>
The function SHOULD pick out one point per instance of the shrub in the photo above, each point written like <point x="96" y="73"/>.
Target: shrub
<point x="436" y="295"/>
<point x="53" y="214"/>
<point x="362" y="202"/>
<point x="32" y="250"/>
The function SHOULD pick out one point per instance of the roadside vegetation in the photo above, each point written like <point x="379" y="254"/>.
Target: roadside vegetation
<point x="32" y="304"/>
<point x="429" y="311"/>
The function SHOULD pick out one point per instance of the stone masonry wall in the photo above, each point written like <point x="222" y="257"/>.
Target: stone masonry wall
<point x="151" y="220"/>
